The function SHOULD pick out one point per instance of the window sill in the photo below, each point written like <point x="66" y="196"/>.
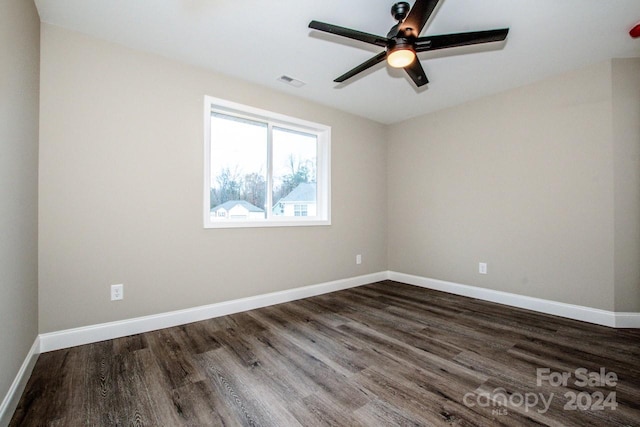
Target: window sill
<point x="265" y="224"/>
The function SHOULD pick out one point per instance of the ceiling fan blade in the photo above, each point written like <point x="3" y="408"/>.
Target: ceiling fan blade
<point x="418" y="17"/>
<point x="416" y="72"/>
<point x="424" y="44"/>
<point x="360" y="68"/>
<point x="349" y="33"/>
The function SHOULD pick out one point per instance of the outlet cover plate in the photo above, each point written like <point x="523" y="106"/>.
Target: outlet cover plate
<point x="117" y="292"/>
<point x="482" y="268"/>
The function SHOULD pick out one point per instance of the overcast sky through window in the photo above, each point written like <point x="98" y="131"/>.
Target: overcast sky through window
<point x="241" y="146"/>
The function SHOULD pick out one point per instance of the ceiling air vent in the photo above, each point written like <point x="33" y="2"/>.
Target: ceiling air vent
<point x="291" y="81"/>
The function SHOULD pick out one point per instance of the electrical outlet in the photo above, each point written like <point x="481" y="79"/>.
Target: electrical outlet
<point x="482" y="268"/>
<point x="117" y="292"/>
<point x="358" y="259"/>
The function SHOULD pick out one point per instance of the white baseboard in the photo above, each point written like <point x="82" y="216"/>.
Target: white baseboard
<point x="105" y="331"/>
<point x="627" y="320"/>
<point x="571" y="311"/>
<point x="10" y="401"/>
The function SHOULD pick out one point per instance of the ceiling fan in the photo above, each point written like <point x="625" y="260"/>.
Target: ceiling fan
<point x="402" y="43"/>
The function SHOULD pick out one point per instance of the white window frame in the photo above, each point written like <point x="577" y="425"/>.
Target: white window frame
<point x="323" y="165"/>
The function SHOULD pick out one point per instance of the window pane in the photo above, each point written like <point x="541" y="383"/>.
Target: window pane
<point x="264" y="169"/>
<point x="294" y="173"/>
<point x="238" y="168"/>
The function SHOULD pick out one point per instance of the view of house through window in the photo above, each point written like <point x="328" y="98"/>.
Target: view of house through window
<point x="294" y="172"/>
<point x="262" y="170"/>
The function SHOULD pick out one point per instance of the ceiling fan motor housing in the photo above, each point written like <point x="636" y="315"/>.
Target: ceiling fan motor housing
<point x="400" y="10"/>
<point x="399" y="43"/>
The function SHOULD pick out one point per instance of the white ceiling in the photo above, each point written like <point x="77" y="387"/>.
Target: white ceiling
<point x="258" y="41"/>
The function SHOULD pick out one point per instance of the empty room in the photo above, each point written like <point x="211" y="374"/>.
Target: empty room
<point x="301" y="213"/>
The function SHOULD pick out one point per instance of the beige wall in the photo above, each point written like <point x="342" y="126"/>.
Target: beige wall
<point x="121" y="173"/>
<point x="19" y="57"/>
<point x="522" y="180"/>
<point x="538" y="182"/>
<point x="626" y="149"/>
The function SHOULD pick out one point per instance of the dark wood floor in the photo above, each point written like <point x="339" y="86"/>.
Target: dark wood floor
<point x="382" y="354"/>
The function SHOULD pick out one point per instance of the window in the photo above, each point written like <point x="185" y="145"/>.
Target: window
<point x="300" y="210"/>
<point x="264" y="169"/>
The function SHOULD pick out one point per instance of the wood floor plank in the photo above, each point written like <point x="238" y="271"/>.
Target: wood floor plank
<point x="177" y="365"/>
<point x="103" y="396"/>
<point x="319" y="410"/>
<point x="323" y="347"/>
<point x="254" y="403"/>
<point x="381" y="354"/>
<point x="159" y="390"/>
<point x="134" y="403"/>
<point x="198" y="337"/>
<point x="328" y="379"/>
<point x="50" y="391"/>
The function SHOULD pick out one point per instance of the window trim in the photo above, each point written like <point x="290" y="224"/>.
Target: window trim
<point x="323" y="165"/>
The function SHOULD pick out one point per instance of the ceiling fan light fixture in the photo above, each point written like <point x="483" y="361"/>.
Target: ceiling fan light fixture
<point x="403" y="40"/>
<point x="401" y="56"/>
